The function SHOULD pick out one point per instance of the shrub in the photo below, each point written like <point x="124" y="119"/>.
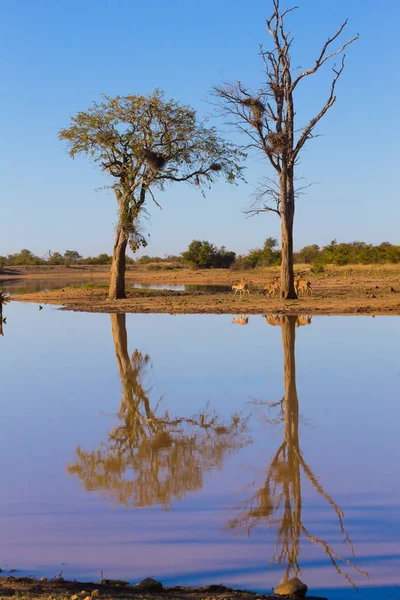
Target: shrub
<point x="204" y="255"/>
<point x="317" y="267"/>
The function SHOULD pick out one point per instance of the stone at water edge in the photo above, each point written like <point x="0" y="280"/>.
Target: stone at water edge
<point x="293" y="587"/>
<point x="151" y="585"/>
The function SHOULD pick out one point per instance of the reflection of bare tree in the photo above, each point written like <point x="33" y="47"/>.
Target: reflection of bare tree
<point x="151" y="457"/>
<point x="279" y="501"/>
<point x="276" y="319"/>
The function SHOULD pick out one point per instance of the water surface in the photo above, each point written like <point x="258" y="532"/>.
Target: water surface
<point x="27" y="286"/>
<point x="202" y="448"/>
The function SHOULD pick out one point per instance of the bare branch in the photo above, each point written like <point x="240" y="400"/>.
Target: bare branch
<point x="323" y="57"/>
<point x="153" y="198"/>
<point x="331" y="100"/>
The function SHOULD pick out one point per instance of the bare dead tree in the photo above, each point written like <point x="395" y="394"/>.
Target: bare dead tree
<point x="267" y="117"/>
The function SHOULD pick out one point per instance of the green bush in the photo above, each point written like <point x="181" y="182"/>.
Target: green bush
<point x="317" y="267"/>
<point x="204" y="255"/>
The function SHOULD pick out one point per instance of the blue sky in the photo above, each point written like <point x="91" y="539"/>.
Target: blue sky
<point x="57" y="57"/>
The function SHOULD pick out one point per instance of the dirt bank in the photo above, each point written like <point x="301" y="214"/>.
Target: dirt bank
<point x="66" y="590"/>
<point x="333" y="276"/>
<point x="369" y="289"/>
<point x="324" y="301"/>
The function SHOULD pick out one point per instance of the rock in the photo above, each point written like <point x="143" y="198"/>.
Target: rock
<point x="294" y="587"/>
<point x="13" y="571"/>
<point x="95" y="593"/>
<point x="43" y="579"/>
<point x="151" y="585"/>
<point x="115" y="582"/>
<point x="75" y="597"/>
<point x="219" y="589"/>
<point x="83" y="593"/>
<point x="88" y="598"/>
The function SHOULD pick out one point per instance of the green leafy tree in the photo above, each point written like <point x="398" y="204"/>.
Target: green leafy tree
<point x="263" y="257"/>
<point x="308" y="254"/>
<point x="25" y="257"/>
<point x="224" y="258"/>
<point x="71" y="257"/>
<point x="144" y="143"/>
<point x="204" y="255"/>
<point x="254" y="258"/>
<point x="55" y="258"/>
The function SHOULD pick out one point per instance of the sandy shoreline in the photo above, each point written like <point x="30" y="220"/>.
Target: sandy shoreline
<point x="60" y="589"/>
<point x="358" y="289"/>
<point x="174" y="302"/>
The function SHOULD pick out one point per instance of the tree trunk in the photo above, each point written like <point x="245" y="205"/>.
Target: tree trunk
<point x="291" y="410"/>
<point x="117" y="281"/>
<point x="287" y="217"/>
<point x="291" y="402"/>
<point x="120" y="337"/>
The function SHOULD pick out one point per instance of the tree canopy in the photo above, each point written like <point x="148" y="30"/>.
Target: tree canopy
<point x="145" y="142"/>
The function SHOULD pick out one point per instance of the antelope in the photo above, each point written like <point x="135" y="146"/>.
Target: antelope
<point x="302" y="285"/>
<point x="241" y="287"/>
<point x="273" y="319"/>
<point x="241" y="320"/>
<point x="271" y="287"/>
<point x="303" y="320"/>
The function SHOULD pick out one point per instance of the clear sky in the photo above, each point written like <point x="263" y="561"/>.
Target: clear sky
<point x="57" y="57"/>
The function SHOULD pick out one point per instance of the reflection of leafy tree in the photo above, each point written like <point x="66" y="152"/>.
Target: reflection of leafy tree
<point x="151" y="457"/>
<point x="279" y="501"/>
<point x="4" y="299"/>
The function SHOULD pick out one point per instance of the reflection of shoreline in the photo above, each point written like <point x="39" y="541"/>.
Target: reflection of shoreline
<point x="279" y="501"/>
<point x="151" y="457"/>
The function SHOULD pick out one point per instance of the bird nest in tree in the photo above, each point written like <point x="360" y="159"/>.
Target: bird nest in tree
<point x="136" y="241"/>
<point x="256" y="107"/>
<point x="105" y="137"/>
<point x="215" y="167"/>
<point x="277" y="141"/>
<point x="277" y="90"/>
<point x="155" y="160"/>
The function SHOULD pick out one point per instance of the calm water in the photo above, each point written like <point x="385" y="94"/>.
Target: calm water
<point x="26" y="286"/>
<point x="196" y="450"/>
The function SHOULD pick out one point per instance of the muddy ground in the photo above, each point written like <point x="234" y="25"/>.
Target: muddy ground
<point x="357" y="289"/>
<point x="31" y="589"/>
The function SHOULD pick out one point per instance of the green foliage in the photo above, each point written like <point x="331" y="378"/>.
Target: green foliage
<point x="25" y="257"/>
<point x="145" y="142"/>
<point x="71" y="257"/>
<point x="307" y="254"/>
<point x="317" y="267"/>
<point x="266" y="256"/>
<point x="101" y="259"/>
<point x="55" y="258"/>
<point x="204" y="255"/>
<point x="348" y="254"/>
<point x="146" y="260"/>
